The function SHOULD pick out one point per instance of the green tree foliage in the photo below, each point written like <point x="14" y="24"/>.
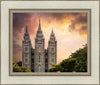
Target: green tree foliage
<point x="17" y="68"/>
<point x="20" y="63"/>
<point x="55" y="68"/>
<point x="77" y="62"/>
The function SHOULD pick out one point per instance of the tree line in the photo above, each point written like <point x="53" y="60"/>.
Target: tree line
<point x="77" y="62"/>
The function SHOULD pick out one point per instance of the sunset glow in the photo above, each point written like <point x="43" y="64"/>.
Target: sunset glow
<point x="70" y="30"/>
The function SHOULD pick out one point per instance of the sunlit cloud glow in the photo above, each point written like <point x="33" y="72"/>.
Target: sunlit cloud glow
<point x="70" y="30"/>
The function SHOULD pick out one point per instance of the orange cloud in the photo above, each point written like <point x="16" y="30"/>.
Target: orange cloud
<point x="70" y="30"/>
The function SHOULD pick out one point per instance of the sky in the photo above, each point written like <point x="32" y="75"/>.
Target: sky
<point x="70" y="30"/>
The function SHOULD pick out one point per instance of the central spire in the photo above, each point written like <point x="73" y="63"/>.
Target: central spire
<point x="39" y="31"/>
<point x="39" y="28"/>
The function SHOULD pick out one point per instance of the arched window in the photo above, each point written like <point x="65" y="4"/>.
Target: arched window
<point x="26" y="48"/>
<point x="39" y="49"/>
<point x="25" y="65"/>
<point x="33" y="60"/>
<point x="39" y="58"/>
<point x="26" y="60"/>
<point x="52" y="59"/>
<point x="52" y="49"/>
<point x="26" y="55"/>
<point x="39" y="68"/>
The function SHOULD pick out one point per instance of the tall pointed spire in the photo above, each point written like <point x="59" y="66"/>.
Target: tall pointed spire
<point x="39" y="31"/>
<point x="39" y="28"/>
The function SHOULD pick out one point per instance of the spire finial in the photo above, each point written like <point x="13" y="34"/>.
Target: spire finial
<point x="39" y="28"/>
<point x="39" y="19"/>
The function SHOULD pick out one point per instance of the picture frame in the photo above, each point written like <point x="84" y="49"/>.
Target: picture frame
<point x="11" y="11"/>
<point x="10" y="7"/>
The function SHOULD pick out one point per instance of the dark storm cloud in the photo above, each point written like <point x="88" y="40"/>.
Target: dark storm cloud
<point x="80" y="20"/>
<point x="83" y="28"/>
<point x="58" y="16"/>
<point x="17" y="46"/>
<point x="17" y="49"/>
<point x="58" y="20"/>
<point x="19" y="19"/>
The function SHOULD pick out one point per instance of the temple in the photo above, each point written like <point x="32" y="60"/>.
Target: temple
<point x="39" y="59"/>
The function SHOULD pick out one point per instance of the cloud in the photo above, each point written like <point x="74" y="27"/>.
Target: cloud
<point x="62" y="23"/>
<point x="79" y="24"/>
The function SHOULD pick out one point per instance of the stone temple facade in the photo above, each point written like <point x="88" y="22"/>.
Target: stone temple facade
<point x="39" y="59"/>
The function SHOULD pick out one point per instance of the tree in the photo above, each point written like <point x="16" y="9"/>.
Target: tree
<point x="68" y="65"/>
<point x="17" y="68"/>
<point x="55" y="68"/>
<point x="20" y="63"/>
<point x="77" y="62"/>
<point x="24" y="69"/>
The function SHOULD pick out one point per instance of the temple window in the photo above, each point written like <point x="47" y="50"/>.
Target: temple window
<point x="39" y="49"/>
<point x="25" y="60"/>
<point x="46" y="60"/>
<point x="52" y="59"/>
<point x="39" y="57"/>
<point x="25" y="65"/>
<point x="26" y="55"/>
<point x="52" y="49"/>
<point x="32" y="60"/>
<point x="26" y="48"/>
<point x="39" y="68"/>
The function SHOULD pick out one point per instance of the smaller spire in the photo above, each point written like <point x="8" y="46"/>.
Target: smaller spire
<point x="52" y="30"/>
<point x="26" y="35"/>
<point x="52" y="33"/>
<point x="39" y="18"/>
<point x="26" y="29"/>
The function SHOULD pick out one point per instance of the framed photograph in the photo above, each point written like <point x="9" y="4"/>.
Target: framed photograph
<point x="50" y="42"/>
